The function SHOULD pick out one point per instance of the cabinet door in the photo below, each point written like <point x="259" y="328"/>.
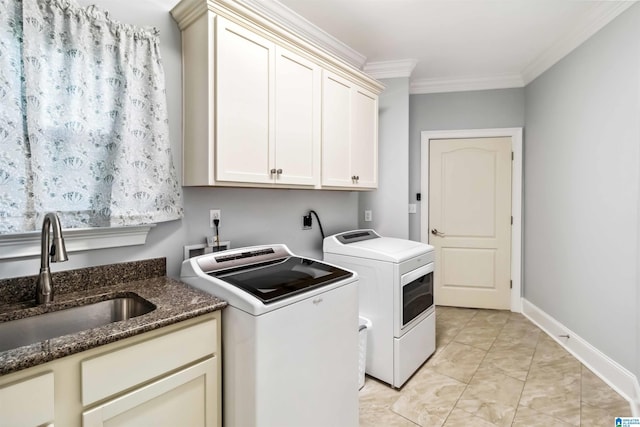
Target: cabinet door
<point x="364" y="138"/>
<point x="244" y="128"/>
<point x="28" y="403"/>
<point x="297" y="119"/>
<point x="186" y="398"/>
<point x="336" y="131"/>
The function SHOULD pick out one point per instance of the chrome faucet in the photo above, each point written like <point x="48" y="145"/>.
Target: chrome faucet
<point x="57" y="252"/>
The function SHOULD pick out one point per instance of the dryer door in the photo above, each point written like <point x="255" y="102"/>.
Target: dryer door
<point x="415" y="298"/>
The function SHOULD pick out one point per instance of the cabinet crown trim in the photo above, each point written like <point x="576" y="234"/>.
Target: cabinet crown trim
<point x="287" y="27"/>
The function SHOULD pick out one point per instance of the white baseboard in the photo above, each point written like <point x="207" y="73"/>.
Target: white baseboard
<point x="609" y="371"/>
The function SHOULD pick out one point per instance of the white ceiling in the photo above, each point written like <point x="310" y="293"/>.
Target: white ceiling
<point x="457" y="44"/>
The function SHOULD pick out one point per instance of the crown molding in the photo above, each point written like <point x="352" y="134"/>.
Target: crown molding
<point x="285" y="17"/>
<point x="601" y="15"/>
<point x="390" y="69"/>
<point x="465" y="84"/>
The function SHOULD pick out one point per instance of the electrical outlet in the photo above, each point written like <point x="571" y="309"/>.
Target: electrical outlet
<point x="213" y="214"/>
<point x="306" y="222"/>
<point x="368" y="216"/>
<point x="412" y="208"/>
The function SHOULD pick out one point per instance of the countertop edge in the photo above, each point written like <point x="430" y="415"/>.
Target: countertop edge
<point x="175" y="302"/>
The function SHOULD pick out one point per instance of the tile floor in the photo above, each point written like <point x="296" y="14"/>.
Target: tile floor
<point x="493" y="368"/>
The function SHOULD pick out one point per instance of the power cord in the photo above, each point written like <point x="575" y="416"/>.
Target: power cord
<point x="216" y="223"/>
<point x="319" y="223"/>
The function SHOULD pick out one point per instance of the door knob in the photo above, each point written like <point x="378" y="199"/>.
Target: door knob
<point x="435" y="232"/>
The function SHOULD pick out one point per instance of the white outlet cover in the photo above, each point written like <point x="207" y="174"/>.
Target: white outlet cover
<point x="412" y="208"/>
<point x="368" y="216"/>
<point x="213" y="213"/>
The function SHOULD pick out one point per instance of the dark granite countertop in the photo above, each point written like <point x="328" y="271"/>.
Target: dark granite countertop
<point x="175" y="301"/>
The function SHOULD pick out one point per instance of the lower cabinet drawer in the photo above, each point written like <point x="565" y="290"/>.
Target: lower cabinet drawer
<point x="28" y="402"/>
<point x="184" y="398"/>
<point x="120" y="370"/>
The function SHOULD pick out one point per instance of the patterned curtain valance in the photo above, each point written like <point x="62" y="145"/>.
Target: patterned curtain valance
<point x="83" y="120"/>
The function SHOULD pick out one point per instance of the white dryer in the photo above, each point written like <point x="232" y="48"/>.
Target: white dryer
<point x="396" y="294"/>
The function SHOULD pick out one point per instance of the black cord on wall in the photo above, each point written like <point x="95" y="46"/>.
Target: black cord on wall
<point x="319" y="223"/>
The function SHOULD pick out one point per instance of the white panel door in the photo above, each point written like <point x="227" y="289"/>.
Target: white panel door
<point x="336" y="131"/>
<point x="244" y="128"/>
<point x="364" y="138"/>
<point x="297" y="119"/>
<point x="470" y="221"/>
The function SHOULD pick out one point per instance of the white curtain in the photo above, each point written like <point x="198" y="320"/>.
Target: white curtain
<point x="85" y="120"/>
<point x="14" y="162"/>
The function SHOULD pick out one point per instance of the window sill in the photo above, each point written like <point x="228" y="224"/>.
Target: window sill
<point x="76" y="239"/>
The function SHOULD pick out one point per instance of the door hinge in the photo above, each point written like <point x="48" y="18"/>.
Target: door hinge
<point x="512" y="155"/>
<point x="510" y="284"/>
<point x="511" y="219"/>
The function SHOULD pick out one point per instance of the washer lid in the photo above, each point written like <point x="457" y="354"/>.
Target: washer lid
<point x="278" y="279"/>
<point x="381" y="248"/>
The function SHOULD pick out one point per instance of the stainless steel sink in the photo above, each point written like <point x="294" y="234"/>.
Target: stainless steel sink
<point x="29" y="330"/>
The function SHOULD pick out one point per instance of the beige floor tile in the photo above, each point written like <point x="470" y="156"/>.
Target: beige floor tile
<point x="457" y="313"/>
<point x="428" y="398"/>
<point x="597" y="417"/>
<point x="376" y="399"/>
<point x="492" y="396"/>
<point x="527" y="417"/>
<point x="512" y="360"/>
<point x="490" y="318"/>
<point x="553" y="392"/>
<point x="446" y="332"/>
<point x="458" y="361"/>
<point x="376" y="417"/>
<point x="547" y="350"/>
<point x="522" y="334"/>
<point x="559" y="372"/>
<point x="459" y="417"/>
<point x="376" y="393"/>
<point x="480" y="336"/>
<point x="487" y="364"/>
<point x="598" y="395"/>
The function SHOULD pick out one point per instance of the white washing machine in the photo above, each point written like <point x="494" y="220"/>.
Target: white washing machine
<point x="289" y="336"/>
<point x="396" y="294"/>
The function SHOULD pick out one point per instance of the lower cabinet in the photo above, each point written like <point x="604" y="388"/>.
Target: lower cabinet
<point x="179" y="399"/>
<point x="166" y="377"/>
<point x="28" y="402"/>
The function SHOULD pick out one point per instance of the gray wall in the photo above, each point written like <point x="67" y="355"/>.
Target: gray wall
<point x="248" y="216"/>
<point x="582" y="156"/>
<point x="487" y="109"/>
<point x="389" y="204"/>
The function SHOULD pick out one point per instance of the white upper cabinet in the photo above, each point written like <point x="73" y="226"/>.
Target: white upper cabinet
<point x="364" y="138"/>
<point x="297" y="119"/>
<point x="350" y="135"/>
<point x="244" y="124"/>
<point x="257" y="111"/>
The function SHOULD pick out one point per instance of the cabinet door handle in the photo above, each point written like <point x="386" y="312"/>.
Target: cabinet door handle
<point x="279" y="171"/>
<point x="272" y="171"/>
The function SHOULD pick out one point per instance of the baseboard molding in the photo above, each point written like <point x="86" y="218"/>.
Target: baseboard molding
<point x="615" y="375"/>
